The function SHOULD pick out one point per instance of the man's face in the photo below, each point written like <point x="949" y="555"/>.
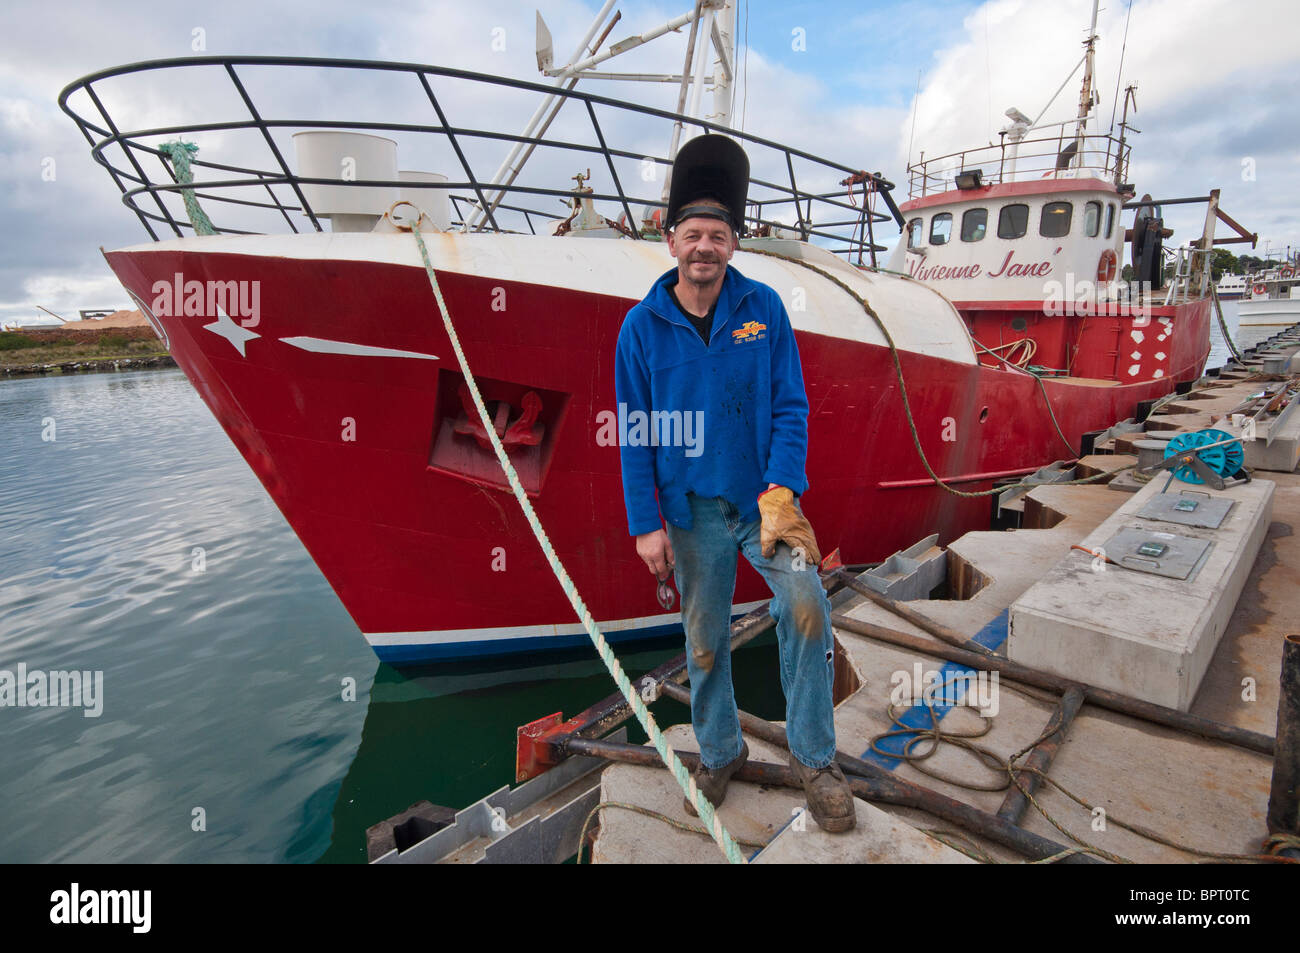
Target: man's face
<point x="702" y="247"/>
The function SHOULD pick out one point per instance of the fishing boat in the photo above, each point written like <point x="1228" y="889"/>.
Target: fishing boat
<point x="1231" y="287"/>
<point x="284" y="277"/>
<point x="1272" y="297"/>
<point x="1026" y="238"/>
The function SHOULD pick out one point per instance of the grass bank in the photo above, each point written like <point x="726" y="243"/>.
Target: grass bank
<point x="22" y="354"/>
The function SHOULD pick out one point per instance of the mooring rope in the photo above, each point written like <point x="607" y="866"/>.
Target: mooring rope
<point x="707" y="813"/>
<point x="907" y="407"/>
<point x="1223" y="327"/>
<point x="180" y="153"/>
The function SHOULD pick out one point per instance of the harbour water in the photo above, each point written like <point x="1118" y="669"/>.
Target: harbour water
<point x="243" y="719"/>
<point x="137" y="543"/>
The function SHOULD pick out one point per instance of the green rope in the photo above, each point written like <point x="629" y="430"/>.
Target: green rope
<point x="1223" y="326"/>
<point x="180" y="153"/>
<point x="707" y="813"/>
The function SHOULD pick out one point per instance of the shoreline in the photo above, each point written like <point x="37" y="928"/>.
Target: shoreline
<point x="88" y="365"/>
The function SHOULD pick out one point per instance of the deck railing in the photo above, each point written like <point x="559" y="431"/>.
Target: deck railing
<point x="243" y="177"/>
<point x="1062" y="153"/>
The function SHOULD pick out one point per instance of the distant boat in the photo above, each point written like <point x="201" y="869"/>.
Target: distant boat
<point x="1272" y="298"/>
<point x="1231" y="286"/>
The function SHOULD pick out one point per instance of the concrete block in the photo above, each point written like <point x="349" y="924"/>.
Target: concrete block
<point x="1281" y="454"/>
<point x="1147" y="636"/>
<point x="878" y="838"/>
<point x="752" y="813"/>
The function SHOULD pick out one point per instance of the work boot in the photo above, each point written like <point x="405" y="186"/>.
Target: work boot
<point x="712" y="782"/>
<point x="830" y="800"/>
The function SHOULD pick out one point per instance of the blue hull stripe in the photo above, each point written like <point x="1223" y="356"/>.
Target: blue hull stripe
<point x="485" y="648"/>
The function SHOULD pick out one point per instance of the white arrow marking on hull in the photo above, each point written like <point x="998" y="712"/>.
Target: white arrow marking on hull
<point x="325" y="346"/>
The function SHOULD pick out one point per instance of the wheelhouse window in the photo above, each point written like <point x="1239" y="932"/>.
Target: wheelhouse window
<point x="913" y="233"/>
<point x="1110" y="219"/>
<point x="974" y="223"/>
<point x="1055" y="220"/>
<point x="941" y="228"/>
<point x="1013" y="221"/>
<point x="1092" y="219"/>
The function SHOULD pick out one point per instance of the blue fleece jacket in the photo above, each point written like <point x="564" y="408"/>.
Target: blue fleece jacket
<point x="724" y="419"/>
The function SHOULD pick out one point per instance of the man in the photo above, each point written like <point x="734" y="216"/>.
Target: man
<point x="711" y="347"/>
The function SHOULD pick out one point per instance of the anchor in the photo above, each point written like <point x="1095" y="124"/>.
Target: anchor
<point x="521" y="432"/>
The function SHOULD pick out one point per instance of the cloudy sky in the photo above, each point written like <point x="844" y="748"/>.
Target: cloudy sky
<point x="1216" y="93"/>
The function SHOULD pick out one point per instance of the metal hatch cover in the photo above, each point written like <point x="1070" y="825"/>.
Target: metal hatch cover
<point x="1190" y="509"/>
<point x="1181" y="559"/>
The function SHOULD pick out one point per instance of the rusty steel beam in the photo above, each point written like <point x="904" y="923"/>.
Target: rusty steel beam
<point x="540" y="744"/>
<point x="613" y="710"/>
<point x="1040" y="759"/>
<point x="1284" y="798"/>
<point x="884" y="789"/>
<point x="1101" y="697"/>
<point x="938" y="630"/>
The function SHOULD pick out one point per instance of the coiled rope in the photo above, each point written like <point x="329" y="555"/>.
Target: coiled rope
<point x="707" y="813"/>
<point x="938" y="735"/>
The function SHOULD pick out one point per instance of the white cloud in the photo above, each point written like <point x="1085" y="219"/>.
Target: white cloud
<point x="1215" y="86"/>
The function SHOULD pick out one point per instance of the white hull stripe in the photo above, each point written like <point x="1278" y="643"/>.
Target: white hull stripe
<point x="919" y="318"/>
<point x="532" y="631"/>
<point x="325" y="346"/>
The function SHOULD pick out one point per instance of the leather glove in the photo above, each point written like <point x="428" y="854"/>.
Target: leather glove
<point x="782" y="521"/>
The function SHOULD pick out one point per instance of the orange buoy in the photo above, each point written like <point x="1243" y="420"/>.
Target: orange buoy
<point x="1107" y="266"/>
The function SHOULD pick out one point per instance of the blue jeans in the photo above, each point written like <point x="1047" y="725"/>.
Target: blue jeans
<point x="706" y="579"/>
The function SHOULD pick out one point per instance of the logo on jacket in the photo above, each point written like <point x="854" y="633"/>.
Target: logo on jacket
<point x="749" y="331"/>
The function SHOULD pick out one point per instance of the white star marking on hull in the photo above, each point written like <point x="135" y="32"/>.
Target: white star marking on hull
<point x="232" y="332"/>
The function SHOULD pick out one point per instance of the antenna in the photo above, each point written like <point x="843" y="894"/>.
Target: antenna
<point x="915" y="101"/>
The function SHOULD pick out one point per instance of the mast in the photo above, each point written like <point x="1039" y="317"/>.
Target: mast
<point x="712" y="23"/>
<point x="1086" y="93"/>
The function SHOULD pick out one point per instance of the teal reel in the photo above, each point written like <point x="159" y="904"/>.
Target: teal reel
<point x="1206" y="456"/>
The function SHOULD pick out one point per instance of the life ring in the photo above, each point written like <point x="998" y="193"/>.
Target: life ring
<point x="1259" y="290"/>
<point x="1107" y="266"/>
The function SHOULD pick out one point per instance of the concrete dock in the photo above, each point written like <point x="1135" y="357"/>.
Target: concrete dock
<point x="1207" y="795"/>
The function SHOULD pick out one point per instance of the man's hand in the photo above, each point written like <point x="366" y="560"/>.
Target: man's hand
<point x="657" y="552"/>
<point x="782" y="521"/>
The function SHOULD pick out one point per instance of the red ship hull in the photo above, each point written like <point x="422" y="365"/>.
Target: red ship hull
<point x="411" y="523"/>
